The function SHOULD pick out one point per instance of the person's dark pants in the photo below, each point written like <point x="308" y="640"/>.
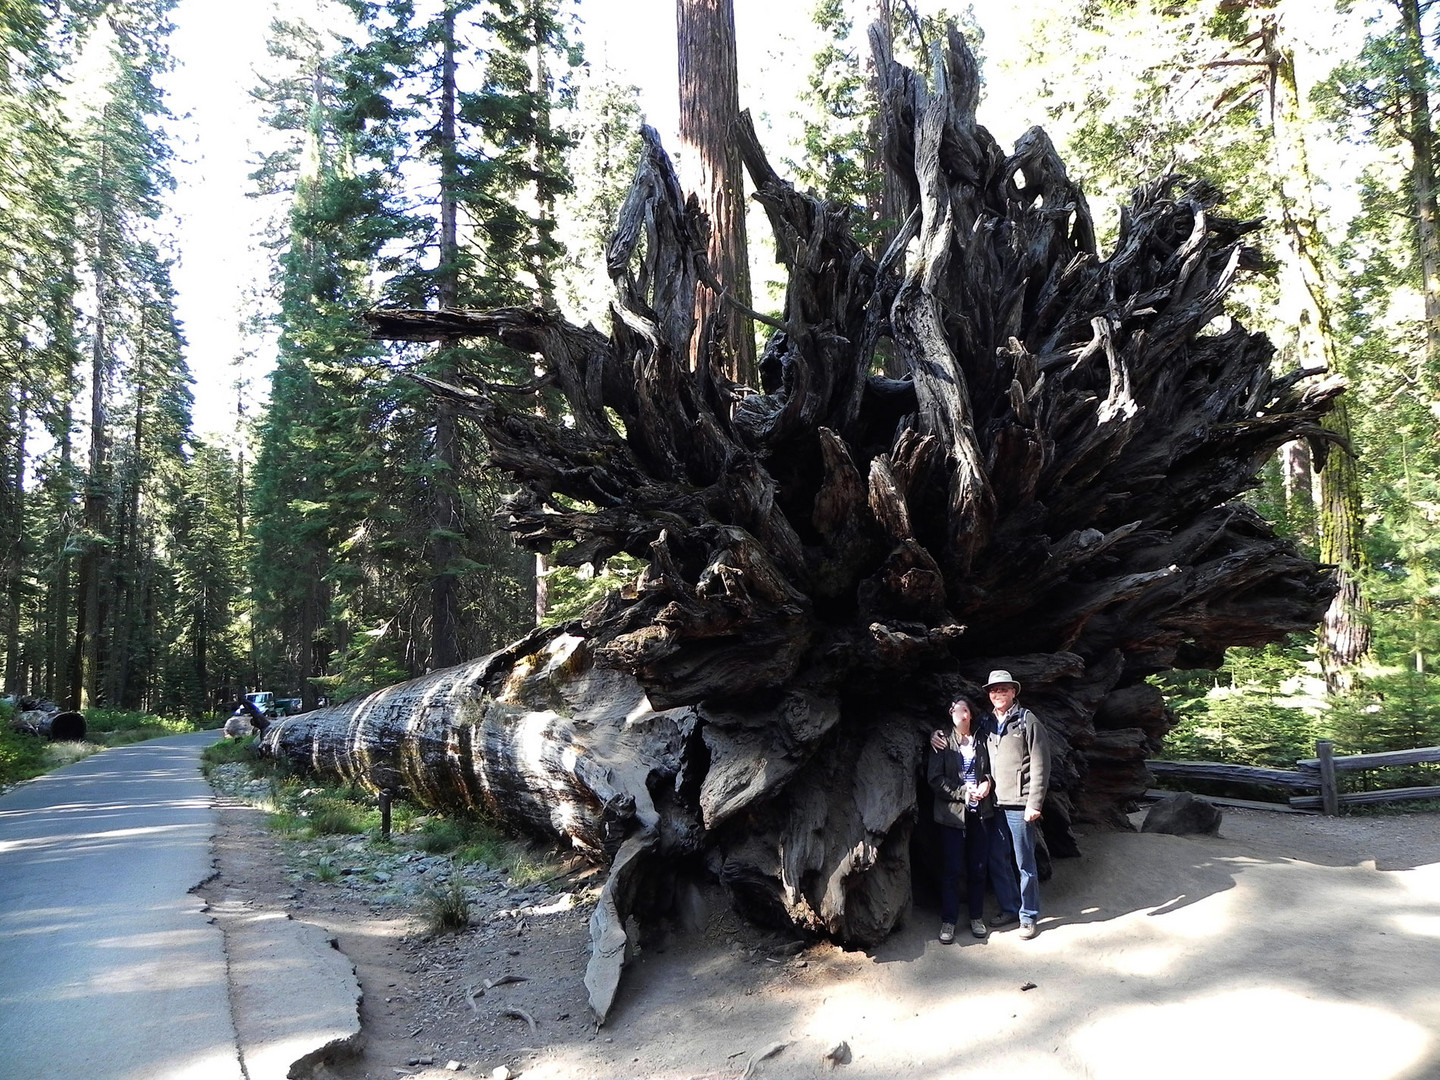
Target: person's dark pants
<point x="965" y="850"/>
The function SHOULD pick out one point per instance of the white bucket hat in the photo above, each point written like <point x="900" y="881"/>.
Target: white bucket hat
<point x="1000" y="677"/>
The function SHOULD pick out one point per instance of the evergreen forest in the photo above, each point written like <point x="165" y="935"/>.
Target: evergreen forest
<point x="345" y="532"/>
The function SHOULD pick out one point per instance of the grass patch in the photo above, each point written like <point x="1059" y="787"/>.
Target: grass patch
<point x="471" y="840"/>
<point x="446" y="908"/>
<point x="231" y="752"/>
<point x="337" y="815"/>
<point x="494" y="851"/>
<point x="59" y="754"/>
<point x="301" y="808"/>
<point x="526" y="869"/>
<point x="441" y="835"/>
<point x="287" y="823"/>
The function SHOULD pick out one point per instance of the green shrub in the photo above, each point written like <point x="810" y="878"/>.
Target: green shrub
<point x="441" y="835"/>
<point x="21" y="756"/>
<point x="1253" y="710"/>
<point x="122" y="727"/>
<point x="572" y="590"/>
<point x="403" y="816"/>
<point x="337" y="815"/>
<point x="494" y="852"/>
<point x="287" y="822"/>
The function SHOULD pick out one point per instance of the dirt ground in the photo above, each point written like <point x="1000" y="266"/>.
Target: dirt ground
<point x="1288" y="946"/>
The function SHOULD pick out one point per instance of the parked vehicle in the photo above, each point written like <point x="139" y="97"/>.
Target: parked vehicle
<point x="264" y="700"/>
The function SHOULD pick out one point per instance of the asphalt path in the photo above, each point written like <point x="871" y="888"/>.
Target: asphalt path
<point x="109" y="967"/>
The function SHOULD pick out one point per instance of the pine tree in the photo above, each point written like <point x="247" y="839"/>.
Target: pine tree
<point x="314" y="475"/>
<point x="1380" y="102"/>
<point x="119" y="179"/>
<point x="1217" y="96"/>
<point x="202" y="654"/>
<point x="604" y="152"/>
<point x="37" y="321"/>
<point x="477" y="122"/>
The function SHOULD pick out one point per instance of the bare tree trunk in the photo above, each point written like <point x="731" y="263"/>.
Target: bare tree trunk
<point x="85" y="658"/>
<point x="710" y="168"/>
<point x="1298" y="481"/>
<point x="13" y="532"/>
<point x="57" y="640"/>
<point x="1421" y="136"/>
<point x="1345" y="632"/>
<point x="445" y="523"/>
<point x="889" y="205"/>
<point x="544" y="294"/>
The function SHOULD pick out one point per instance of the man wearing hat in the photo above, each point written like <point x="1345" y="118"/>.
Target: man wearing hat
<point x="1020" y="763"/>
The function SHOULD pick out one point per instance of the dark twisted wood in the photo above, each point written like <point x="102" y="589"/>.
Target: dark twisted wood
<point x="1052" y="489"/>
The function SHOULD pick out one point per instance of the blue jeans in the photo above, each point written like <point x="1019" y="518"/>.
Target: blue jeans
<point x="1003" y="878"/>
<point x="1020" y="835"/>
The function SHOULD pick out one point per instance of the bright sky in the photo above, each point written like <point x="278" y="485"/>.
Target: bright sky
<point x="216" y="46"/>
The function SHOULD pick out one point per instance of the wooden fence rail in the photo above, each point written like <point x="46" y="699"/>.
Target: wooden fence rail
<point x="1313" y="774"/>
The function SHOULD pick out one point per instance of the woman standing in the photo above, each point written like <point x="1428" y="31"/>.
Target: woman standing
<point x="964" y="787"/>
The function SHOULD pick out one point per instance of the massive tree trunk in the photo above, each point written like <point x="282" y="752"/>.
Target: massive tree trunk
<point x="445" y="461"/>
<point x="1051" y="490"/>
<point x="710" y="168"/>
<point x="1419" y="132"/>
<point x="1345" y="631"/>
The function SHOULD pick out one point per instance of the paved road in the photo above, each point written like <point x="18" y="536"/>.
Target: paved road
<point x="109" y="969"/>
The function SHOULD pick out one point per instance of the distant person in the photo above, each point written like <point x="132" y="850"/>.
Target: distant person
<point x="959" y="775"/>
<point x="247" y="719"/>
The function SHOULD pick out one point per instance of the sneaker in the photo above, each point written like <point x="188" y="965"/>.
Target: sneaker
<point x="947" y="933"/>
<point x="977" y="927"/>
<point x="1005" y="918"/>
<point x="1028" y="930"/>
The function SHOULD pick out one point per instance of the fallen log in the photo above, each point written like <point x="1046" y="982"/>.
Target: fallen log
<point x="1240" y="774"/>
<point x="1052" y="489"/>
<point x="63" y="726"/>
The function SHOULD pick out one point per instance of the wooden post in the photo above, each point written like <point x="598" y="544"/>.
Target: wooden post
<point x="384" y="813"/>
<point x="1329" y="794"/>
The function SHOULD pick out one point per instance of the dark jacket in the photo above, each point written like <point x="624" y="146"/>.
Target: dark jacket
<point x="945" y="772"/>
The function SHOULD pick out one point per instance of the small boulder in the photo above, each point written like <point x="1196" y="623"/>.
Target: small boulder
<point x="1182" y="814"/>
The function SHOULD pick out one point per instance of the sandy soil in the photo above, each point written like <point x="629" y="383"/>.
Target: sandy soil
<point x="1289" y="946"/>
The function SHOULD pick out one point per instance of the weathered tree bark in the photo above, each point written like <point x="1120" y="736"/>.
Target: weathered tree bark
<point x="888" y="200"/>
<point x="1419" y="132"/>
<point x="1051" y="490"/>
<point x="63" y="726"/>
<point x="710" y="166"/>
<point x="445" y="465"/>
<point x="1345" y="631"/>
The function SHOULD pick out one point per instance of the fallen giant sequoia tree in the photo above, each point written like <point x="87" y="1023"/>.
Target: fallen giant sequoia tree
<point x="1050" y="490"/>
